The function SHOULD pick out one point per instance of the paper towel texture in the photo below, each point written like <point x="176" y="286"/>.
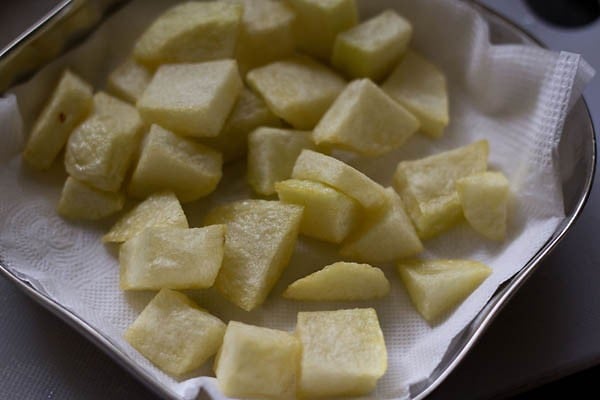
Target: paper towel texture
<point x="515" y="96"/>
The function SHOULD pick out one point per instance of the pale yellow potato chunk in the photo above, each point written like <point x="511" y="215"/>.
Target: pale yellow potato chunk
<point x="68" y="105"/>
<point x="192" y="99"/>
<point x="328" y="215"/>
<point x="371" y="49"/>
<point x="388" y="235"/>
<point x="420" y="87"/>
<point x="157" y="210"/>
<point x="175" y="334"/>
<point x="365" y="120"/>
<point x="191" y="32"/>
<point x="438" y="286"/>
<point x="249" y="112"/>
<point x="340" y="281"/>
<point x="318" y="22"/>
<point x="257" y="362"/>
<point x="343" y="353"/>
<point x="427" y="185"/>
<point x="298" y="89"/>
<point x="172" y="258"/>
<point x="484" y="200"/>
<point x="266" y="33"/>
<point x="129" y="80"/>
<point x="259" y="242"/>
<point x="341" y="176"/>
<point x="100" y="150"/>
<point x="271" y="156"/>
<point x="171" y="163"/>
<point x="80" y="201"/>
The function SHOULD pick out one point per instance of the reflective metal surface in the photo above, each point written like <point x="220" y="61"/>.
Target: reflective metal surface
<point x="64" y="26"/>
<point x="577" y="155"/>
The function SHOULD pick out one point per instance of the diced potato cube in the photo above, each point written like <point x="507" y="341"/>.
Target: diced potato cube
<point x="420" y="87"/>
<point x="191" y="32"/>
<point x="266" y="34"/>
<point x="100" y="150"/>
<point x="343" y="352"/>
<point x="318" y="22"/>
<point x="175" y="334"/>
<point x="484" y="200"/>
<point x="371" y="49"/>
<point x="170" y="162"/>
<point x="69" y="104"/>
<point x="341" y="281"/>
<point x="328" y="215"/>
<point x="298" y="89"/>
<point x="158" y="210"/>
<point x="249" y="112"/>
<point x="259" y="242"/>
<point x="80" y="201"/>
<point x="256" y="362"/>
<point x="172" y="258"/>
<point x="341" y="176"/>
<point x="192" y="99"/>
<point x="427" y="186"/>
<point x="272" y="154"/>
<point x="386" y="236"/>
<point x="129" y="80"/>
<point x="365" y="120"/>
<point x="438" y="286"/>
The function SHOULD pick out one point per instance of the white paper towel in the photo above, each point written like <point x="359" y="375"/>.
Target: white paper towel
<point x="515" y="96"/>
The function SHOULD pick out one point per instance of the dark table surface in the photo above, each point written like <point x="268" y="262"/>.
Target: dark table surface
<point x="547" y="331"/>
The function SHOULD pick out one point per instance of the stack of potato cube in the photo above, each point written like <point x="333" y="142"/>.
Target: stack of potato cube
<point x="286" y="84"/>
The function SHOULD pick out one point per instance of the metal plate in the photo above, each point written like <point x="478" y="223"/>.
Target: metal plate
<point x="577" y="152"/>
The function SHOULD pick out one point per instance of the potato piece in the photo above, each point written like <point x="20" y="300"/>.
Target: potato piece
<point x="158" y="210"/>
<point x="256" y="362"/>
<point x="484" y="199"/>
<point x="298" y="89"/>
<point x="175" y="334"/>
<point x="172" y="258"/>
<point x="191" y="32"/>
<point x="170" y="162"/>
<point x="266" y="34"/>
<point x="249" y="112"/>
<point x="259" y="242"/>
<point x="371" y="49"/>
<point x="80" y="201"/>
<point x="192" y="99"/>
<point x="437" y="286"/>
<point x="420" y="87"/>
<point x="333" y="172"/>
<point x="318" y="22"/>
<point x="365" y="120"/>
<point x="272" y="154"/>
<point x="343" y="352"/>
<point x="386" y="236"/>
<point x="100" y="150"/>
<point x="340" y="281"/>
<point x="427" y="186"/>
<point x="129" y="80"/>
<point x="328" y="215"/>
<point x="69" y="104"/>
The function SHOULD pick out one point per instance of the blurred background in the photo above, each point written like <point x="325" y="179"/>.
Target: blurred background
<point x="545" y="342"/>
